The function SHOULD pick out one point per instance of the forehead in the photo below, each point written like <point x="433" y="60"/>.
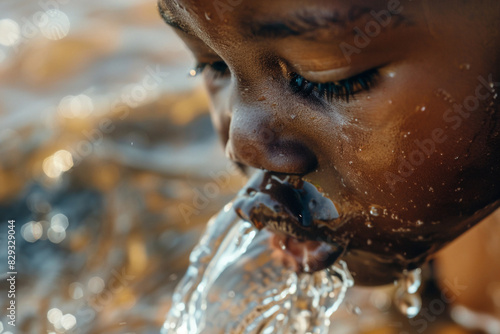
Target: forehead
<point x="199" y="16"/>
<point x="277" y="6"/>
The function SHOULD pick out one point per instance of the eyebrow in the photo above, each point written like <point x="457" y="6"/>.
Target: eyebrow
<point x="169" y="18"/>
<point x="299" y="24"/>
<point x="304" y="23"/>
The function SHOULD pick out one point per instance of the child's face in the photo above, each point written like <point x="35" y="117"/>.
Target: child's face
<point x="416" y="142"/>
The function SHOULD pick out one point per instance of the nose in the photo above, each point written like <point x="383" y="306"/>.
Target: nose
<point x="265" y="136"/>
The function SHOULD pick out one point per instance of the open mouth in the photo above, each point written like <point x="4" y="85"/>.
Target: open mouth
<point x="298" y="214"/>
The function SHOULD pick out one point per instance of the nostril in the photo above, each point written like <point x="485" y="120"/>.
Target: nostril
<point x="291" y="158"/>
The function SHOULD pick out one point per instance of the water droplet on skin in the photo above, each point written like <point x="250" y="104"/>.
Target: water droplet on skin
<point x="464" y="67"/>
<point x="412" y="280"/>
<point x="422" y="109"/>
<point x="353" y="309"/>
<point x="369" y="224"/>
<point x="407" y="298"/>
<point x="409" y="305"/>
<point x="374" y="211"/>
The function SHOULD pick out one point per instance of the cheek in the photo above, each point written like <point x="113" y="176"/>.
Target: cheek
<point x="429" y="153"/>
<point x="441" y="161"/>
<point x="377" y="152"/>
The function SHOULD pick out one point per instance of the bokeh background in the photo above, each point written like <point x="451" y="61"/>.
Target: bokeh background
<point x="110" y="168"/>
<point x="108" y="164"/>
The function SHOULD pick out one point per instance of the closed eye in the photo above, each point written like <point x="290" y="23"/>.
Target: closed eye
<point x="216" y="69"/>
<point x="342" y="90"/>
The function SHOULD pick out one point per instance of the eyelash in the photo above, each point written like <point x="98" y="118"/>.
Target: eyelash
<point x="342" y="90"/>
<point x="217" y="69"/>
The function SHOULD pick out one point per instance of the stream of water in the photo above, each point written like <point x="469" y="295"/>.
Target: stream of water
<point x="236" y="284"/>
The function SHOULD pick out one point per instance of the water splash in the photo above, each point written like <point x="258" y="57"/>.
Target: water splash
<point x="236" y="283"/>
<point x="407" y="297"/>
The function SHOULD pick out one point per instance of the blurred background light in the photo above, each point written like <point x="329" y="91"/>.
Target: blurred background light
<point x="55" y="24"/>
<point x="10" y="32"/>
<point x="56" y="164"/>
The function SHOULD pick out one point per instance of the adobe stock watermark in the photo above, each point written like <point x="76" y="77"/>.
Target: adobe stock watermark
<point x="50" y="21"/>
<point x="118" y="281"/>
<point x="204" y="195"/>
<point x="120" y="108"/>
<point x="372" y="29"/>
<point x="455" y="117"/>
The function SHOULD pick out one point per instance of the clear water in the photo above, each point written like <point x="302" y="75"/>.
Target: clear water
<point x="407" y="297"/>
<point x="236" y="283"/>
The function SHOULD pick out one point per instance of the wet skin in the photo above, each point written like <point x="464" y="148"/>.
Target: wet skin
<point x="419" y="148"/>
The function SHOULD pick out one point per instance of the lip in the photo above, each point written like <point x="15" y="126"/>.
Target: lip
<point x="297" y="213"/>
